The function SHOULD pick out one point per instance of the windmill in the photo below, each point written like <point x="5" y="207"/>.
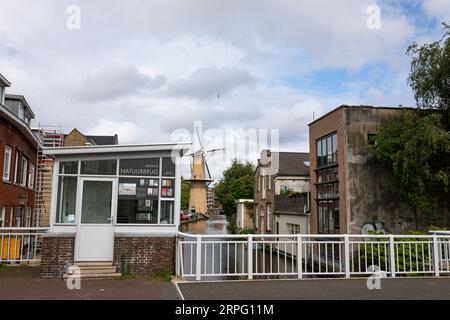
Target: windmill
<point x="200" y="178"/>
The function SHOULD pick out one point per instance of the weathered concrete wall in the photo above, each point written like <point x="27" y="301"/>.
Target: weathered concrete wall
<point x="295" y="184"/>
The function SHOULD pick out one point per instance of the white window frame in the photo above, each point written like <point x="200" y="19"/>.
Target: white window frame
<point x="11" y="217"/>
<point x="19" y="218"/>
<point x="2" y="217"/>
<point x="269" y="184"/>
<point x="263" y="224"/>
<point x="256" y="218"/>
<point x="263" y="187"/>
<point x="28" y="217"/>
<point x="269" y="213"/>
<point x="24" y="172"/>
<point x="7" y="164"/>
<point x="31" y="175"/>
<point x="21" y="112"/>
<point x="16" y="167"/>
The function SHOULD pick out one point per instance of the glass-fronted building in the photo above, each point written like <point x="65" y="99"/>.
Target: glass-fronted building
<point x="114" y="203"/>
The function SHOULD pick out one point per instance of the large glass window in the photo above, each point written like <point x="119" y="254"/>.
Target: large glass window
<point x="168" y="167"/>
<point x="31" y="176"/>
<point x="7" y="163"/>
<point x="138" y="200"/>
<point x="167" y="210"/>
<point x="326" y="150"/>
<point x="67" y="194"/>
<point x="68" y="167"/>
<point x="99" y="167"/>
<point x="328" y="212"/>
<point x="96" y="207"/>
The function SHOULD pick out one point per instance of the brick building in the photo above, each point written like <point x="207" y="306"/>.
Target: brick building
<point x="350" y="191"/>
<point x="279" y="174"/>
<point x="18" y="155"/>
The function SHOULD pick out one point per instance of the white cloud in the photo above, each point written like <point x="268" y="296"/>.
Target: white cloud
<point x="439" y="9"/>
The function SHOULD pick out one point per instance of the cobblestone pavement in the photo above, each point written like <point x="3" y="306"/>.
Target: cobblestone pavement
<point x="346" y="289"/>
<point x="25" y="283"/>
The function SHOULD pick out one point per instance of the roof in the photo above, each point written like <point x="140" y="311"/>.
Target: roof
<point x="117" y="148"/>
<point x="4" y="81"/>
<point x="356" y="106"/>
<point x="293" y="164"/>
<point x="21" y="126"/>
<point x="21" y="99"/>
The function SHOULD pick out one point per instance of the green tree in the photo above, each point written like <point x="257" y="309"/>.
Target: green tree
<point x="185" y="194"/>
<point x="237" y="183"/>
<point x="411" y="148"/>
<point x="430" y="75"/>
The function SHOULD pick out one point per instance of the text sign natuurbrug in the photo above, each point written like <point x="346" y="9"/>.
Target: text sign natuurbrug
<point x="139" y="167"/>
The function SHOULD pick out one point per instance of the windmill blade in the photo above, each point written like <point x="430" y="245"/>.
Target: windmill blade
<point x="215" y="150"/>
<point x="199" y="140"/>
<point x="207" y="168"/>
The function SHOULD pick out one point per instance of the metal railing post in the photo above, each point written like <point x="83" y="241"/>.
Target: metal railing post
<point x="250" y="257"/>
<point x="436" y="255"/>
<point x="347" y="256"/>
<point x="177" y="256"/>
<point x="299" y="257"/>
<point x="392" y="255"/>
<point x="198" y="253"/>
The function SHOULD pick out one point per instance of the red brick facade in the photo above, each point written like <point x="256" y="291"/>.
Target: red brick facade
<point x="57" y="253"/>
<point x="144" y="255"/>
<point x="11" y="193"/>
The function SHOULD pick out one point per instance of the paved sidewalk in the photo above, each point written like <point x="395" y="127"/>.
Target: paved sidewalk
<point x="25" y="283"/>
<point x="347" y="289"/>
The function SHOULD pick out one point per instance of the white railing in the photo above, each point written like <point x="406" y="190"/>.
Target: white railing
<point x="249" y="256"/>
<point x="20" y="244"/>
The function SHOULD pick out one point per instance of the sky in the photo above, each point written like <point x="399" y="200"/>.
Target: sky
<point x="147" y="70"/>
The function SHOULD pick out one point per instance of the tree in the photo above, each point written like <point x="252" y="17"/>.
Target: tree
<point x="411" y="148"/>
<point x="430" y="75"/>
<point x="237" y="183"/>
<point x="185" y="194"/>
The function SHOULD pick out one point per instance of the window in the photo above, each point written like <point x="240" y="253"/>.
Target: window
<point x="2" y="91"/>
<point x="11" y="217"/>
<point x="28" y="218"/>
<point x="262" y="219"/>
<point x="68" y="167"/>
<point x="328" y="216"/>
<point x="269" y="182"/>
<point x="19" y="213"/>
<point x="372" y="139"/>
<point x="259" y="183"/>
<point x="256" y="218"/>
<point x="16" y="167"/>
<point x="23" y="175"/>
<point x="66" y="201"/>
<point x="263" y="187"/>
<point x="269" y="217"/>
<point x="7" y="164"/>
<point x="326" y="150"/>
<point x="99" y="167"/>
<point x="138" y="201"/>
<point x="293" y="228"/>
<point x="2" y="217"/>
<point x="167" y="210"/>
<point x="168" y="167"/>
<point x="31" y="176"/>
<point x="21" y="113"/>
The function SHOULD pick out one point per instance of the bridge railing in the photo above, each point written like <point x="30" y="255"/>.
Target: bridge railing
<point x="262" y="256"/>
<point x="21" y="245"/>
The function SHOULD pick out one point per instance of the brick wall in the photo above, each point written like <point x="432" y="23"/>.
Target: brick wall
<point x="143" y="255"/>
<point x="9" y="191"/>
<point x="57" y="254"/>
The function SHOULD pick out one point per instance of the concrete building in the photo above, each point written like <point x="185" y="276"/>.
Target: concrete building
<point x="18" y="154"/>
<point x="244" y="214"/>
<point x="350" y="192"/>
<point x="278" y="175"/>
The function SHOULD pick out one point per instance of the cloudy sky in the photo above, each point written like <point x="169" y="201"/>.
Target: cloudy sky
<point x="144" y="69"/>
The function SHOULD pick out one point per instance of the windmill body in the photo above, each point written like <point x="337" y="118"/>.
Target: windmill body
<point x="199" y="184"/>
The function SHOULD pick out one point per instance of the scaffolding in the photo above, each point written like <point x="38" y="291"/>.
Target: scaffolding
<point x="49" y="136"/>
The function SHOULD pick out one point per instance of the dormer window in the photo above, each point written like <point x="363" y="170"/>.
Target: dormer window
<point x="21" y="112"/>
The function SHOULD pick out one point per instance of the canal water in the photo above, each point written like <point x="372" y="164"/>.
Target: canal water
<point x="228" y="257"/>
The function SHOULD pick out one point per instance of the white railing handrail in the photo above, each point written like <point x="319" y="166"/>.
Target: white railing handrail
<point x="24" y="229"/>
<point x="317" y="236"/>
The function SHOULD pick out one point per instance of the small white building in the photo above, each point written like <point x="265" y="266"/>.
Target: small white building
<point x="244" y="214"/>
<point x="114" y="203"/>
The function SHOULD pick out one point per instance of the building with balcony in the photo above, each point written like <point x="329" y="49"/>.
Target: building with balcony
<point x="280" y="175"/>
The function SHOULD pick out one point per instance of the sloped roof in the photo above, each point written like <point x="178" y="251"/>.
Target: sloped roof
<point x="293" y="164"/>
